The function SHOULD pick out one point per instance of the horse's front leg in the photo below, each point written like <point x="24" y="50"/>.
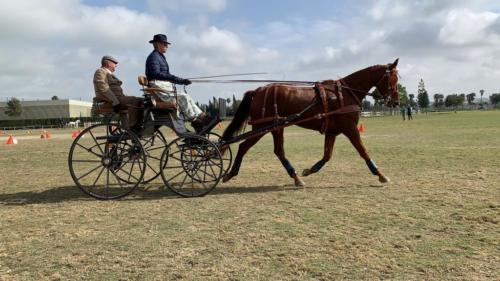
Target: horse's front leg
<point x="355" y="138"/>
<point x="327" y="155"/>
<point x="280" y="153"/>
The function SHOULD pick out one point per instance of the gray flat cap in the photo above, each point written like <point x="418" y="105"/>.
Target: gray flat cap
<point x="110" y="58"/>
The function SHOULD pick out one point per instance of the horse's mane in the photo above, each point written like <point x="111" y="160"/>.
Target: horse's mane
<point x="372" y="68"/>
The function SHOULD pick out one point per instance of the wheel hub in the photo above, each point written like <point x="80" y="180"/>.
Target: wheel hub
<point x="106" y="161"/>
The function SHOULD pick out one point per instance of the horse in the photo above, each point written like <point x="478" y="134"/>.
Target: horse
<point x="331" y="107"/>
<point x="73" y="124"/>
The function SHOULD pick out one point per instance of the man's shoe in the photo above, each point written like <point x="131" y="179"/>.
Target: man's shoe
<point x="197" y="125"/>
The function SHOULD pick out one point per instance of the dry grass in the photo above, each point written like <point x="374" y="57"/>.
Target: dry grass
<point x="438" y="220"/>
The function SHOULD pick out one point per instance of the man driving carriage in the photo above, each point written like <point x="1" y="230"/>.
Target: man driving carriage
<point x="158" y="75"/>
<point x="108" y="88"/>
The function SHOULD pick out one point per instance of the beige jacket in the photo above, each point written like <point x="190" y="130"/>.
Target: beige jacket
<point x="107" y="86"/>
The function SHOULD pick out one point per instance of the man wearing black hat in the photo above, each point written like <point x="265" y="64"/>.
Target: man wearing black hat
<point x="109" y="88"/>
<point x="158" y="74"/>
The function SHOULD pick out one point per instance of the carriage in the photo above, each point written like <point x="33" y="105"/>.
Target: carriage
<point x="108" y="161"/>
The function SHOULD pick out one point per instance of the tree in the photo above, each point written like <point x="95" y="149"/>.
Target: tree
<point x="412" y="100"/>
<point x="438" y="100"/>
<point x="55" y="98"/>
<point x="461" y="100"/>
<point x="403" y="95"/>
<point x="495" y="99"/>
<point x="450" y="100"/>
<point x="422" y="96"/>
<point x="481" y="92"/>
<point x="454" y="100"/>
<point x="14" y="108"/>
<point x="470" y="98"/>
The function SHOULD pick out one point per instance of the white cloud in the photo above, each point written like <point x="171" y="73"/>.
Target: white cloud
<point x="467" y="27"/>
<point x="386" y="9"/>
<point x="190" y="5"/>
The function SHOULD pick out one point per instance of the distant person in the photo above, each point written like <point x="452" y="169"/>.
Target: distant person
<point x="158" y="74"/>
<point x="402" y="109"/>
<point x="409" y="112"/>
<point x="108" y="88"/>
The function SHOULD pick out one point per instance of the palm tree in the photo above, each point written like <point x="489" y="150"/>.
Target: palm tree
<point x="482" y="93"/>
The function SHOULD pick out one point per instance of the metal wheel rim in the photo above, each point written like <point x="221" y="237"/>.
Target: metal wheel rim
<point x="97" y="153"/>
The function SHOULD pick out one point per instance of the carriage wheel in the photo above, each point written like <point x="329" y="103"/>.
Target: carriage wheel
<point x="106" y="162"/>
<point x="192" y="166"/>
<point x="227" y="157"/>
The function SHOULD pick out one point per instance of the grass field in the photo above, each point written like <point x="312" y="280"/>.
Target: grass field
<point x="437" y="220"/>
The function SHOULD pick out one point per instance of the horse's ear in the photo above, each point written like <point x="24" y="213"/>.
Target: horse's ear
<point x="394" y="64"/>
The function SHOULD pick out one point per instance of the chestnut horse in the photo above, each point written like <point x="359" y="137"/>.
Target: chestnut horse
<point x="331" y="107"/>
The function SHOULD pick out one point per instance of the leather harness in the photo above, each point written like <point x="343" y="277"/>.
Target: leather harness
<point x="326" y="91"/>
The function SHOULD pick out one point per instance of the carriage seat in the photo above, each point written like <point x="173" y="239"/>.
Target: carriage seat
<point x="104" y="107"/>
<point x="155" y="93"/>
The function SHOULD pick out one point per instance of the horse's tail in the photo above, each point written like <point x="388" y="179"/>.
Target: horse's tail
<point x="240" y="116"/>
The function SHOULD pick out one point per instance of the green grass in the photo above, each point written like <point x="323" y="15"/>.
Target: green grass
<point x="437" y="220"/>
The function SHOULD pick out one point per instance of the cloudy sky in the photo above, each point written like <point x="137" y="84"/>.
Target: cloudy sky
<point x="53" y="47"/>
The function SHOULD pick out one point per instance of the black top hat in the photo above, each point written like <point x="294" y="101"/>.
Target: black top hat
<point x="160" y="38"/>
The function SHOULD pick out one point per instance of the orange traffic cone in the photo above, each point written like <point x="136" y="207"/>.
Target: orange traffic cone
<point x="10" y="140"/>
<point x="361" y="128"/>
<point x="75" y="134"/>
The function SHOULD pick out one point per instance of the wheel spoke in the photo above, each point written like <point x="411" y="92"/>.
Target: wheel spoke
<point x="175" y="176"/>
<point x="155" y="158"/>
<point x="156" y="148"/>
<point x="107" y="182"/>
<point x="95" y="140"/>
<point x="90" y="149"/>
<point x="98" y="177"/>
<point x="88" y="173"/>
<point x="117" y="179"/>
<point x="151" y="167"/>
<point x="86" y="161"/>
<point x="130" y="172"/>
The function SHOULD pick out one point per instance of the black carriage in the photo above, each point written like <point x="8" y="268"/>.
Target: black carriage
<point x="108" y="161"/>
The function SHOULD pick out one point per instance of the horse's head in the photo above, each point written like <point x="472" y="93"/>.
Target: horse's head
<point x="387" y="86"/>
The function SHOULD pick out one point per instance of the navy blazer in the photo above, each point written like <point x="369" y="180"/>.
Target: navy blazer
<point x="157" y="69"/>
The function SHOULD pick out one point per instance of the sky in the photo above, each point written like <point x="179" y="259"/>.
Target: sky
<point x="53" y="47"/>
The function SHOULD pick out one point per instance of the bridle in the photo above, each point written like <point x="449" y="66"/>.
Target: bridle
<point x="390" y="88"/>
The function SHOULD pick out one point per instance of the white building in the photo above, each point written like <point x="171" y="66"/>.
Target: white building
<point x="49" y="109"/>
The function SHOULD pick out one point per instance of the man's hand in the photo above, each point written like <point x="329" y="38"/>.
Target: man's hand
<point x="186" y="82"/>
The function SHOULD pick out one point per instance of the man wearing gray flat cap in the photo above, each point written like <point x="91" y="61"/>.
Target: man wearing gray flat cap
<point x="158" y="74"/>
<point x="108" y="88"/>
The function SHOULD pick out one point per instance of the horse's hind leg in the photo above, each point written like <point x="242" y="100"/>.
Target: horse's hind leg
<point x="242" y="150"/>
<point x="280" y="153"/>
<point x="327" y="155"/>
<point x="355" y="138"/>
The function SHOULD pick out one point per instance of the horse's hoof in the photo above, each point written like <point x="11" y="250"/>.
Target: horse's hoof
<point x="299" y="182"/>
<point x="226" y="178"/>
<point x="306" y="172"/>
<point x="384" y="179"/>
